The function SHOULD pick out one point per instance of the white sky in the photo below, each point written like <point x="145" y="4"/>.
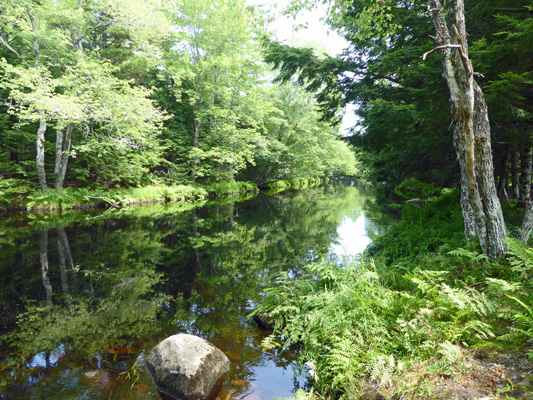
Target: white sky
<point x="316" y="32"/>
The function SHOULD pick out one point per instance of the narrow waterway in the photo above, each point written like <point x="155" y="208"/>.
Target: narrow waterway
<point x="85" y="296"/>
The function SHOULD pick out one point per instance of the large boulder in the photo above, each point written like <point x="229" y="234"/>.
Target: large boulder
<point x="187" y="367"/>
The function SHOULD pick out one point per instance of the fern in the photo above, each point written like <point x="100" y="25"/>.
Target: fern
<point x="521" y="258"/>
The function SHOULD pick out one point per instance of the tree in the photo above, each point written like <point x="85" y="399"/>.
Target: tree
<point x="296" y="143"/>
<point x="471" y="131"/>
<point x="213" y="67"/>
<point x="58" y="75"/>
<point x="379" y="26"/>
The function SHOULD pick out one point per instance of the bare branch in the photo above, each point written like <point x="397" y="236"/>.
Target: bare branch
<point x="446" y="46"/>
<point x="113" y="205"/>
<point x="6" y="44"/>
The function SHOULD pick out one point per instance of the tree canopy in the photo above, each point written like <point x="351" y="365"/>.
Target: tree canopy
<point x="405" y="128"/>
<point x="105" y="93"/>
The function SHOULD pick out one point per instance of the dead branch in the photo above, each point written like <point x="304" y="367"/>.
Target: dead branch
<point x="114" y="205"/>
<point x="446" y="46"/>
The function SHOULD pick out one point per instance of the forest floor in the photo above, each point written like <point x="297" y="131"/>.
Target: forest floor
<point x="485" y="373"/>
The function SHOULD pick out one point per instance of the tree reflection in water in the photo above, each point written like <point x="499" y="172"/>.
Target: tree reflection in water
<point x="136" y="276"/>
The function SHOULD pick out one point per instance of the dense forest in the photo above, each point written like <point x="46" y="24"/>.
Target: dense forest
<point x="406" y="130"/>
<point x="174" y="97"/>
<point x="128" y="93"/>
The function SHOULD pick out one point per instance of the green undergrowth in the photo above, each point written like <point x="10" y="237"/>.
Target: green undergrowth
<point x="79" y="198"/>
<point x="418" y="304"/>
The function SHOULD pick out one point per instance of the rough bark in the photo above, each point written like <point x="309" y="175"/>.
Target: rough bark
<point x="496" y="228"/>
<point x="466" y="208"/>
<point x="62" y="154"/>
<point x="526" y="226"/>
<point x="471" y="130"/>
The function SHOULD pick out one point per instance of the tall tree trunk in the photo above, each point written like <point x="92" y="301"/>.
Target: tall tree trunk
<point x="526" y="226"/>
<point x="466" y="208"/>
<point x="471" y="128"/>
<point x="500" y="171"/>
<point x="526" y="163"/>
<point x="62" y="153"/>
<point x="39" y="160"/>
<point x="515" y="172"/>
<point x="195" y="145"/>
<point x="496" y="228"/>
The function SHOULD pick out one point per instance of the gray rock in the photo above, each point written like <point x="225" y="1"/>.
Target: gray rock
<point x="187" y="367"/>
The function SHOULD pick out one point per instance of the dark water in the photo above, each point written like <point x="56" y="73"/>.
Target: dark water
<point x="84" y="297"/>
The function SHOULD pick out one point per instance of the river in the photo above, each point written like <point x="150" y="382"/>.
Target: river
<point x="85" y="296"/>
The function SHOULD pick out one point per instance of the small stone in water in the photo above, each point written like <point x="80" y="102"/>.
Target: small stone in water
<point x="240" y="382"/>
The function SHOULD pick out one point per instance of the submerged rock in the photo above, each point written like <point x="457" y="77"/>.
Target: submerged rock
<point x="265" y="321"/>
<point x="187" y="367"/>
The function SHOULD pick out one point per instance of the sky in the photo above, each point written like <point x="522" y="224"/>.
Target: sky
<point x="317" y="32"/>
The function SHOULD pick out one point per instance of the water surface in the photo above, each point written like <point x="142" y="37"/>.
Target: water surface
<point x="84" y="297"/>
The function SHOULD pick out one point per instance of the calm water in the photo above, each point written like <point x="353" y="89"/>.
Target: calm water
<point x="84" y="297"/>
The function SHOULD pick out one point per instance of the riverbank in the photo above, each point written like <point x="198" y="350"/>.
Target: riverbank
<point x="72" y="198"/>
<point x="422" y="316"/>
<point x="81" y="198"/>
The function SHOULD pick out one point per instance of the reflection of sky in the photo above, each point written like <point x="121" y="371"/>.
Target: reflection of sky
<point x="40" y="359"/>
<point x="270" y="381"/>
<point x="352" y="236"/>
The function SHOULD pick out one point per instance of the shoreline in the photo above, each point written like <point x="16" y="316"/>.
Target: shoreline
<point x="80" y="199"/>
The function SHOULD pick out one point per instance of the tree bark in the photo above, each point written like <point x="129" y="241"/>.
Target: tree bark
<point x="496" y="228"/>
<point x="471" y="130"/>
<point x="62" y="154"/>
<point x="526" y="226"/>
<point x="466" y="208"/>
